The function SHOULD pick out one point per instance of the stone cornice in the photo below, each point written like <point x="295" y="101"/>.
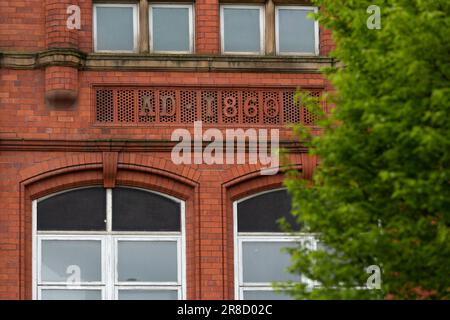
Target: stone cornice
<point x="160" y="62"/>
<point x="113" y="145"/>
<point x="52" y="57"/>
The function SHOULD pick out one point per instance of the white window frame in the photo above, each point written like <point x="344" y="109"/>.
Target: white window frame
<point x="153" y="238"/>
<point x="109" y="256"/>
<point x="261" y="27"/>
<point x="191" y="25"/>
<point x="240" y="237"/>
<point x="135" y="25"/>
<point x="147" y="288"/>
<point x="71" y="287"/>
<point x="277" y="31"/>
<point x="80" y="237"/>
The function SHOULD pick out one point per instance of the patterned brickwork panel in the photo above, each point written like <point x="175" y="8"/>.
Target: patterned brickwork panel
<point x="125" y="106"/>
<point x="229" y="106"/>
<point x="291" y="108"/>
<point x="168" y="106"/>
<point x="147" y="103"/>
<point x="104" y="102"/>
<point x="271" y="107"/>
<point x="250" y="106"/>
<point x="188" y="102"/>
<point x="309" y="118"/>
<point x="209" y="107"/>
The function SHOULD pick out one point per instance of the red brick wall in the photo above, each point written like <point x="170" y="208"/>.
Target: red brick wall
<point x="206" y="190"/>
<point x="57" y="34"/>
<point x="326" y="41"/>
<point x="29" y="173"/>
<point x="22" y="25"/>
<point x="207" y="24"/>
<point x="24" y="114"/>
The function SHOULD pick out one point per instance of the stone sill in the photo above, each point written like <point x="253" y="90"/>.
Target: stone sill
<point x="163" y="62"/>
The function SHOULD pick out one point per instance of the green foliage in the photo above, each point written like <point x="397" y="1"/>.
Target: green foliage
<point x="381" y="195"/>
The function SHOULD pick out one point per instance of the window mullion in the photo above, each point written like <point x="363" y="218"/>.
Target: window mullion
<point x="35" y="252"/>
<point x="182" y="262"/>
<point x="109" y="267"/>
<point x="108" y="210"/>
<point x="270" y="28"/>
<point x="143" y="27"/>
<point x="109" y="253"/>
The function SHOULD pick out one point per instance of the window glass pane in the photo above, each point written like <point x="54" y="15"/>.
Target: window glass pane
<point x="82" y="209"/>
<point x="64" y="294"/>
<point x="147" y="261"/>
<point x="63" y="260"/>
<point x="170" y="27"/>
<point x="295" y="31"/>
<point x="241" y="30"/>
<point x="115" y="28"/>
<point x="138" y="210"/>
<point x="266" y="262"/>
<point x="265" y="295"/>
<point x="148" y="295"/>
<point x="261" y="213"/>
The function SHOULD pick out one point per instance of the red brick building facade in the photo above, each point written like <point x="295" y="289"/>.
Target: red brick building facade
<point x="72" y="117"/>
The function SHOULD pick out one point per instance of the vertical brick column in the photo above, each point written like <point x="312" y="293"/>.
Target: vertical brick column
<point x="61" y="82"/>
<point x="207" y="24"/>
<point x="211" y="235"/>
<point x="326" y="41"/>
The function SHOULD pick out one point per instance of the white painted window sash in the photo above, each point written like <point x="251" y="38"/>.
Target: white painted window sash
<point x="277" y="31"/>
<point x="191" y="26"/>
<point x="71" y="287"/>
<point x="103" y="262"/>
<point x="148" y="288"/>
<point x="261" y="29"/>
<point x="148" y="238"/>
<point x="135" y="25"/>
<point x="108" y="239"/>
<point x="240" y="286"/>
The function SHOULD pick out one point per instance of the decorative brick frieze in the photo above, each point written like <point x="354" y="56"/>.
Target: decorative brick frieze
<point x="231" y="106"/>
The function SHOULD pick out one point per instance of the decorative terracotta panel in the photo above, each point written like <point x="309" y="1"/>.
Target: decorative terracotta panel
<point x="126" y="106"/>
<point x="105" y="106"/>
<point x="250" y="107"/>
<point x="291" y="113"/>
<point x="209" y="102"/>
<point x="146" y="106"/>
<point x="309" y="118"/>
<point x="271" y="107"/>
<point x="168" y="106"/>
<point x="188" y="103"/>
<point x="211" y="105"/>
<point x="230" y="106"/>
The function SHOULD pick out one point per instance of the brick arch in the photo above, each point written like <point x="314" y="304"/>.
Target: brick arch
<point x="237" y="188"/>
<point x="245" y="181"/>
<point x="86" y="170"/>
<point x="303" y="162"/>
<point x="59" y="165"/>
<point x="80" y="162"/>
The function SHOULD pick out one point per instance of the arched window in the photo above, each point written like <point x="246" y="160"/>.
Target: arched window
<point x="260" y="258"/>
<point x="96" y="243"/>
